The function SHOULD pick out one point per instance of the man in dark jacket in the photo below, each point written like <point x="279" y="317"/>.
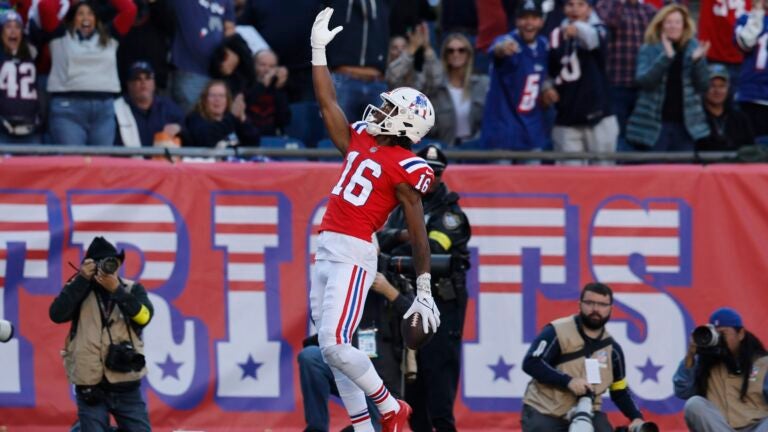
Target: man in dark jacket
<point x="107" y="312"/>
<point x="433" y="394"/>
<point x="729" y="129"/>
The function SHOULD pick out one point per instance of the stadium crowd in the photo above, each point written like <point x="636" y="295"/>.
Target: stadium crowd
<point x="564" y="75"/>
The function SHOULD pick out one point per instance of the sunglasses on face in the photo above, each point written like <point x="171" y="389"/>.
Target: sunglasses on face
<point x="461" y="50"/>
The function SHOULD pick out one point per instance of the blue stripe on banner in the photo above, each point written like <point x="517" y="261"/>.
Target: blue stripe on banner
<point x="351" y="311"/>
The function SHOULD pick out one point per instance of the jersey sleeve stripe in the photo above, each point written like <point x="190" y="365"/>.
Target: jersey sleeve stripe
<point x="412" y="164"/>
<point x="359" y="126"/>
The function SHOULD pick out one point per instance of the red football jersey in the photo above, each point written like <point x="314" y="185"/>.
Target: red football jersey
<point x="365" y="194"/>
<point x="717" y="20"/>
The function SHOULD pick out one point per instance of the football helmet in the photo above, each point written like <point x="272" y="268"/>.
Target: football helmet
<point x="405" y="112"/>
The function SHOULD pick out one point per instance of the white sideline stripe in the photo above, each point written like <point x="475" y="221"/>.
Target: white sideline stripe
<point x="522" y="217"/>
<point x="245" y="214"/>
<point x="638" y="218"/>
<point x="23" y="213"/>
<point x="122" y="213"/>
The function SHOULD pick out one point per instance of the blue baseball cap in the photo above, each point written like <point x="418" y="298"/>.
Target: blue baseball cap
<point x="725" y="317"/>
<point x="10" y="15"/>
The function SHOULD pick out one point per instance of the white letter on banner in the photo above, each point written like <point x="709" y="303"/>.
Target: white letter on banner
<point x="524" y="245"/>
<point x="31" y="228"/>
<point x="157" y="248"/>
<point x="641" y="249"/>
<point x="253" y="364"/>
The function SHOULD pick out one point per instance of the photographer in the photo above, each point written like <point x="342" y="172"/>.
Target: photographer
<point x="378" y="336"/>
<point x="103" y="353"/>
<point x="433" y="393"/>
<point x="559" y="361"/>
<point x="723" y="377"/>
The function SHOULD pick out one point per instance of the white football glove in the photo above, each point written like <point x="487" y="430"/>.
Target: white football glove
<point x="322" y="36"/>
<point x="425" y="304"/>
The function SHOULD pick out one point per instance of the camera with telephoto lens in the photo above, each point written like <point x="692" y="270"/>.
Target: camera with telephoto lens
<point x="441" y="265"/>
<point x="108" y="265"/>
<point x="123" y="357"/>
<point x="6" y="331"/>
<point x="580" y="415"/>
<point x="706" y="336"/>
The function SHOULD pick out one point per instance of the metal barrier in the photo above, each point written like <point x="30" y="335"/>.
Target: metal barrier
<point x="306" y="153"/>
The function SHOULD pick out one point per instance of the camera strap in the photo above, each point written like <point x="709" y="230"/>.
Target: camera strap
<point x="105" y="321"/>
<point x="587" y="351"/>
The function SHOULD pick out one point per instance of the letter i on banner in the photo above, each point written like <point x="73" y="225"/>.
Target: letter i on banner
<point x="30" y="231"/>
<point x="254" y="364"/>
<point x="521" y="245"/>
<point x="155" y="239"/>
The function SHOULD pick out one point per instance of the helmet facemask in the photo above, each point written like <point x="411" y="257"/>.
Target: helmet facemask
<point x="382" y="125"/>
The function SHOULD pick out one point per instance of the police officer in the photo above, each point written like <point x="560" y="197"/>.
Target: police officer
<point x="433" y="393"/>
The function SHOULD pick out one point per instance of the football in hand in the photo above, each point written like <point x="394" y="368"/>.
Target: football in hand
<point x="413" y="332"/>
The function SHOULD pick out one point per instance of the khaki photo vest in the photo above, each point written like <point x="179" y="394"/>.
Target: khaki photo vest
<point x="556" y="401"/>
<point x="724" y="391"/>
<point x="85" y="352"/>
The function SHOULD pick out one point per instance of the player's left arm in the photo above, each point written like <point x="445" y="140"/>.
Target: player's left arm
<point x="410" y="199"/>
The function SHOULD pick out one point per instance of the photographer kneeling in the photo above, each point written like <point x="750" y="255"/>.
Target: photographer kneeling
<point x="572" y="358"/>
<point x="104" y="353"/>
<point x="723" y="377"/>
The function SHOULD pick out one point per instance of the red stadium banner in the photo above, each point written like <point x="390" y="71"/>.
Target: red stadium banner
<point x="225" y="251"/>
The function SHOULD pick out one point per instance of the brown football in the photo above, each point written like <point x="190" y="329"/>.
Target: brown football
<point x="413" y="332"/>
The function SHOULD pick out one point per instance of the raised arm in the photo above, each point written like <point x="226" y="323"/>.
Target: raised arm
<point x="333" y="117"/>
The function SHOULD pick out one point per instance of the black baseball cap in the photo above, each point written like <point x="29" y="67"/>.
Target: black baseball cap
<point x="434" y="157"/>
<point x="526" y="7"/>
<point x="140" y="67"/>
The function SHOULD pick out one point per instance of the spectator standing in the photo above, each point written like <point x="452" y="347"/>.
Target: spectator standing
<point x="626" y="21"/>
<point x="752" y="92"/>
<point x="672" y="75"/>
<point x="153" y="23"/>
<point x="19" y="102"/>
<point x="289" y="41"/>
<point x="729" y="128"/>
<point x="584" y="121"/>
<point x="414" y="64"/>
<point x="459" y="99"/>
<point x="357" y="56"/>
<point x="232" y="62"/>
<point x="717" y="22"/>
<point x="267" y="101"/>
<point x="141" y="114"/>
<point x="218" y="120"/>
<point x="409" y="14"/>
<point x="84" y="81"/>
<point x="199" y="29"/>
<point x="513" y="118"/>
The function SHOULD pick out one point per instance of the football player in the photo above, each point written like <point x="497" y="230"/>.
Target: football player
<point x="379" y="172"/>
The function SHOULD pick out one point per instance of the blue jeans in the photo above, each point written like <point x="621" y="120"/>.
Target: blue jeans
<point x="186" y="88"/>
<point x="354" y="95"/>
<point x="673" y="137"/>
<point x="624" y="99"/>
<point x="128" y="408"/>
<point x="317" y="385"/>
<point x="82" y="121"/>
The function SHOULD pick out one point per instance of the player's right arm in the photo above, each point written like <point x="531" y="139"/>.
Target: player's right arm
<point x="333" y="117"/>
